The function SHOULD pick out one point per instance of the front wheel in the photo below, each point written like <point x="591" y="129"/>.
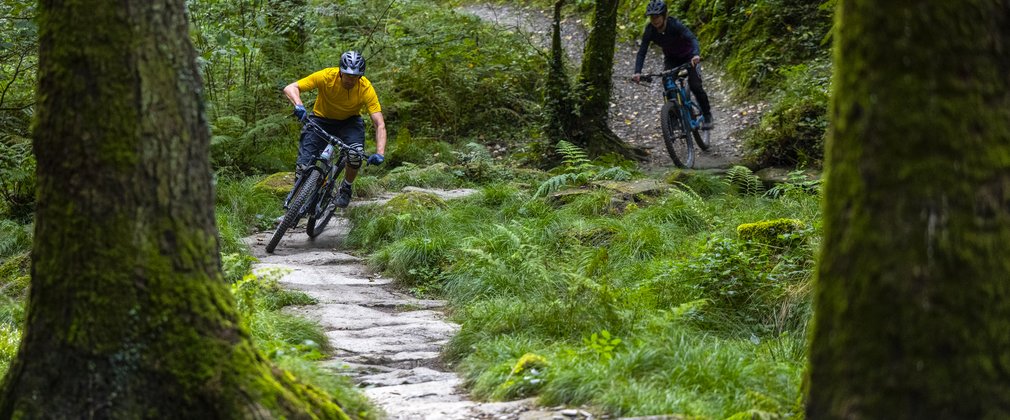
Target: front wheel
<point x="324" y="209"/>
<point x="291" y="217"/>
<point x="678" y="141"/>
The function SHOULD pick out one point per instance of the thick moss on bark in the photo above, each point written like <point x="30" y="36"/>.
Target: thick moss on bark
<point x="129" y="316"/>
<point x="912" y="297"/>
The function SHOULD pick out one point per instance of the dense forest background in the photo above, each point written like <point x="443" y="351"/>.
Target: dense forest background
<point x="693" y="301"/>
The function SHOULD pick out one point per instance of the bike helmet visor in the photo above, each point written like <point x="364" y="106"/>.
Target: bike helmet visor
<point x="352" y="64"/>
<point x="655" y="7"/>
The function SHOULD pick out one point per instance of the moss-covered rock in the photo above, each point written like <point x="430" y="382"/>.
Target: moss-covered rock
<point x="278" y="184"/>
<point x="413" y="201"/>
<point x="438" y="175"/>
<point x="529" y="361"/>
<point x="778" y="232"/>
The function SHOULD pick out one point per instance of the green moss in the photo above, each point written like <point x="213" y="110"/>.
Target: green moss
<point x="413" y="201"/>
<point x="529" y="361"/>
<point x="778" y="232"/>
<point x="278" y="184"/>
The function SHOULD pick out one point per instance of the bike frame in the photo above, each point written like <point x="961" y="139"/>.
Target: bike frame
<point x="675" y="83"/>
<point x="325" y="167"/>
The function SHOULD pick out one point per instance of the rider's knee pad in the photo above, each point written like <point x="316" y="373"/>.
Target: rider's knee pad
<point x="353" y="159"/>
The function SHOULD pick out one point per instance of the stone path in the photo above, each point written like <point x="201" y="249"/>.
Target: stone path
<point x="388" y="341"/>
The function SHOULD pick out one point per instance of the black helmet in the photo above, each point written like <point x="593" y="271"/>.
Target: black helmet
<point x="655" y="7"/>
<point x="352" y="64"/>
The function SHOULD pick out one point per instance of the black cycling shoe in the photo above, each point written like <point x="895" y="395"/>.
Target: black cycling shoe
<point x="344" y="196"/>
<point x="707" y="124"/>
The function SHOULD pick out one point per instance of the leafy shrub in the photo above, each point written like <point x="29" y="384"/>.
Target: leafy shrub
<point x="793" y="131"/>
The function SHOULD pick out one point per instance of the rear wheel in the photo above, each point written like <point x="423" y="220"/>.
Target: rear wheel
<point x="294" y="209"/>
<point x="323" y="211"/>
<point x="678" y="141"/>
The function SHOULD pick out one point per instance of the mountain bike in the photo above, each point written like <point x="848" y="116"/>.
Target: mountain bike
<point x="680" y="116"/>
<point x="313" y="193"/>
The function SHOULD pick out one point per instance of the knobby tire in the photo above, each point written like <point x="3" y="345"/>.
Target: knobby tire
<point x="294" y="208"/>
<point x="324" y="211"/>
<point x="676" y="136"/>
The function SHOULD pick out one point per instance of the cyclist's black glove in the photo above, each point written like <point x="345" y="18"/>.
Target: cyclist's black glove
<point x="375" y="159"/>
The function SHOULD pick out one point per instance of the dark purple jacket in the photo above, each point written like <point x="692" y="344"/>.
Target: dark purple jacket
<point x="678" y="42"/>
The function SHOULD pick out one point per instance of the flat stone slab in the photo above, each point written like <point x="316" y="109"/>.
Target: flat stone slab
<point x="632" y="188"/>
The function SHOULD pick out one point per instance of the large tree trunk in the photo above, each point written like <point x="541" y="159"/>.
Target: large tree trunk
<point x="913" y="288"/>
<point x="583" y="117"/>
<point x="594" y="84"/>
<point x="129" y="316"/>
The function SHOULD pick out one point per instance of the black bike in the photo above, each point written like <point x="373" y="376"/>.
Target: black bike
<point x="313" y="193"/>
<point x="680" y="115"/>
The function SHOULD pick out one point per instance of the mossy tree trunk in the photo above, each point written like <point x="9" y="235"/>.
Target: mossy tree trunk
<point x="129" y="316"/>
<point x="913" y="283"/>
<point x="587" y="124"/>
<point x="562" y="118"/>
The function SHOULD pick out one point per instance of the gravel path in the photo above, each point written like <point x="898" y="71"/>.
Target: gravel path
<point x="634" y="108"/>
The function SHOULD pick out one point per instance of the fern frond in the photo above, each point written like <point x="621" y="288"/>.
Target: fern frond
<point x="613" y="174"/>
<point x="744" y="180"/>
<point x="557" y="182"/>
<point x="573" y="157"/>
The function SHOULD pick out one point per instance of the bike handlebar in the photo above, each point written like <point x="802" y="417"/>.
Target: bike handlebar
<point x="334" y="140"/>
<point x="676" y="70"/>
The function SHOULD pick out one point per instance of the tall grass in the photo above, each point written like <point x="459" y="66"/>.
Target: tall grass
<point x="708" y="324"/>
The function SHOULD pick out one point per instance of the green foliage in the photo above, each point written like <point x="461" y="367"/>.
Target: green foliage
<point x="15" y="238"/>
<point x="18" y="65"/>
<point x="797" y="182"/>
<point x="17" y="177"/>
<point x="578" y="170"/>
<point x="738" y="33"/>
<point x="668" y="277"/>
<point x="241" y="209"/>
<point x="602" y="344"/>
<point x="744" y="181"/>
<point x="793" y="131"/>
<point x="417" y="150"/>
<point x="266" y="146"/>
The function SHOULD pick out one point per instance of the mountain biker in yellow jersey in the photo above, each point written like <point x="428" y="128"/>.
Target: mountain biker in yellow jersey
<point x="343" y="92"/>
<point x="679" y="46"/>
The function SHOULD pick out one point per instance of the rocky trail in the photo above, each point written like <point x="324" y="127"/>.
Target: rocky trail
<point x="386" y="340"/>
<point x="634" y="108"/>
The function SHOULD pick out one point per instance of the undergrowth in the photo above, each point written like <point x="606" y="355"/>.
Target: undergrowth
<point x="659" y="308"/>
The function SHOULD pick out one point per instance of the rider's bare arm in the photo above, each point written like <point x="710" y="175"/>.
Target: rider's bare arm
<point x="293" y="93"/>
<point x="380" y="132"/>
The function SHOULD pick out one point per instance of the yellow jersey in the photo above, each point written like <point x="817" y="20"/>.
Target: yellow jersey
<point x="335" y="102"/>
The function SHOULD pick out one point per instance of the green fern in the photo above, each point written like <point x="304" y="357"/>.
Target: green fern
<point x="574" y="159"/>
<point x="558" y="182"/>
<point x="744" y="180"/>
<point x="613" y="174"/>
